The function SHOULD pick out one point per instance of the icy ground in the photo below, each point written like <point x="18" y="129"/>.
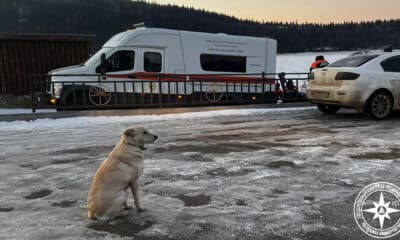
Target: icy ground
<point x="236" y="174"/>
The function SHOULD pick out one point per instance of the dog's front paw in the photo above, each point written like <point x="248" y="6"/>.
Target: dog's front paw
<point x="126" y="207"/>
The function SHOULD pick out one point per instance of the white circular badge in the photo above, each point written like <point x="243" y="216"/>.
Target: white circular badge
<point x="377" y="210"/>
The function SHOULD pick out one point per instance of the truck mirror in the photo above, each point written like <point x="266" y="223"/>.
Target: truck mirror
<point x="103" y="64"/>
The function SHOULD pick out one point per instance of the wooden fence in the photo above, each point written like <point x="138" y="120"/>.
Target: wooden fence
<point x="25" y="58"/>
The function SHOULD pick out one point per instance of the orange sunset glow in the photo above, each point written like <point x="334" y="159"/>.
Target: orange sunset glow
<point x="302" y="11"/>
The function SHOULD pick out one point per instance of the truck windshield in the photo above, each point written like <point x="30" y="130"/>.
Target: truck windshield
<point x="95" y="59"/>
<point x="355" y="61"/>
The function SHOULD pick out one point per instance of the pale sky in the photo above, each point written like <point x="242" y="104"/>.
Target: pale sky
<point x="324" y="11"/>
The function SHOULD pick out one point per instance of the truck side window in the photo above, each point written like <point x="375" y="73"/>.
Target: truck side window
<point x="120" y="61"/>
<point x="391" y="65"/>
<point x="223" y="63"/>
<point x="152" y="62"/>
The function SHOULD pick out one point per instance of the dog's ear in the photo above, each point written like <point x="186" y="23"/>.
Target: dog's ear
<point x="129" y="132"/>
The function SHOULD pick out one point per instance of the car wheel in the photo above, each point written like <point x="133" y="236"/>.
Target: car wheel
<point x="328" y="109"/>
<point x="380" y="105"/>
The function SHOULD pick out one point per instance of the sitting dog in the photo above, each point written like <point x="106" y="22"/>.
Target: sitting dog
<point x="107" y="198"/>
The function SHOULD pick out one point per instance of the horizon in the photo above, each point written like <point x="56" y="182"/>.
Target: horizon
<point x="340" y="11"/>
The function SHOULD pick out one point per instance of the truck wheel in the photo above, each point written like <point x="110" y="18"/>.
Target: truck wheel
<point x="328" y="109"/>
<point x="68" y="102"/>
<point x="380" y="106"/>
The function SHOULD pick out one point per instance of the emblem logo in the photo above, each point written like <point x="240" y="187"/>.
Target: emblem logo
<point x="377" y="210"/>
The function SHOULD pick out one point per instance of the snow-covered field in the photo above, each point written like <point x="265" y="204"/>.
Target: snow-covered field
<point x="276" y="174"/>
<point x="300" y="62"/>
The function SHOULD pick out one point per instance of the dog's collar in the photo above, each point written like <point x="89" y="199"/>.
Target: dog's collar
<point x="140" y="147"/>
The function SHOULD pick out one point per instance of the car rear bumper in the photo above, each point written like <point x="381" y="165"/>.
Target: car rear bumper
<point x="336" y="96"/>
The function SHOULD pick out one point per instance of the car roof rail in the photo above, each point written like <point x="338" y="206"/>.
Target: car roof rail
<point x="361" y="52"/>
<point x="141" y="25"/>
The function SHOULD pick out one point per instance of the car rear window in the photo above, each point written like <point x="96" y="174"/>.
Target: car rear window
<point x="354" y="61"/>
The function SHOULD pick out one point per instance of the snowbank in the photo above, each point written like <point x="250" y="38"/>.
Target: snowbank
<point x="90" y="121"/>
<point x="6" y="111"/>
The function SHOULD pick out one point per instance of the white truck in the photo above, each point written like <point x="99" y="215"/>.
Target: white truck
<point x="155" y="54"/>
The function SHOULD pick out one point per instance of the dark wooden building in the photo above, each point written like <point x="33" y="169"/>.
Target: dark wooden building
<point x="28" y="57"/>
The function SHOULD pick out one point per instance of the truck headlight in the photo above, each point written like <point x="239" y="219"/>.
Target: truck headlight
<point x="57" y="89"/>
<point x="53" y="101"/>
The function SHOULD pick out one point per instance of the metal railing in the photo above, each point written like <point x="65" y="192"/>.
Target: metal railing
<point x="70" y="92"/>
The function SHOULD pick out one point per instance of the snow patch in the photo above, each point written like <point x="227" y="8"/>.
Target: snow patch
<point x="7" y="111"/>
<point x="92" y="121"/>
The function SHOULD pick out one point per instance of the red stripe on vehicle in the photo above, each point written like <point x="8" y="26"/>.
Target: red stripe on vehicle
<point x="200" y="78"/>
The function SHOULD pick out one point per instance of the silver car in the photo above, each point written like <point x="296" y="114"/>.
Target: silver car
<point x="369" y="83"/>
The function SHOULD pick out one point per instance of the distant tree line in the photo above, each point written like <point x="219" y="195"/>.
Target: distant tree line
<point x="104" y="18"/>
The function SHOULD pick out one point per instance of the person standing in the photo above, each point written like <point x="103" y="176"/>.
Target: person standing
<point x="319" y="62"/>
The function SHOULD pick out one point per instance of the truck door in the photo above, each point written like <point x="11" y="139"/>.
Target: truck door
<point x="119" y="64"/>
<point x="152" y="65"/>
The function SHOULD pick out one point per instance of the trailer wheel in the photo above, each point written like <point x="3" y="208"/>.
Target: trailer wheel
<point x="99" y="95"/>
<point x="214" y="93"/>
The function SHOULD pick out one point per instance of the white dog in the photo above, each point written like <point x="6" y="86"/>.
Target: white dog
<point x="107" y="198"/>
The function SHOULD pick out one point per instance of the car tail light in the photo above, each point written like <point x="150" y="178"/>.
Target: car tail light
<point x="346" y="76"/>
